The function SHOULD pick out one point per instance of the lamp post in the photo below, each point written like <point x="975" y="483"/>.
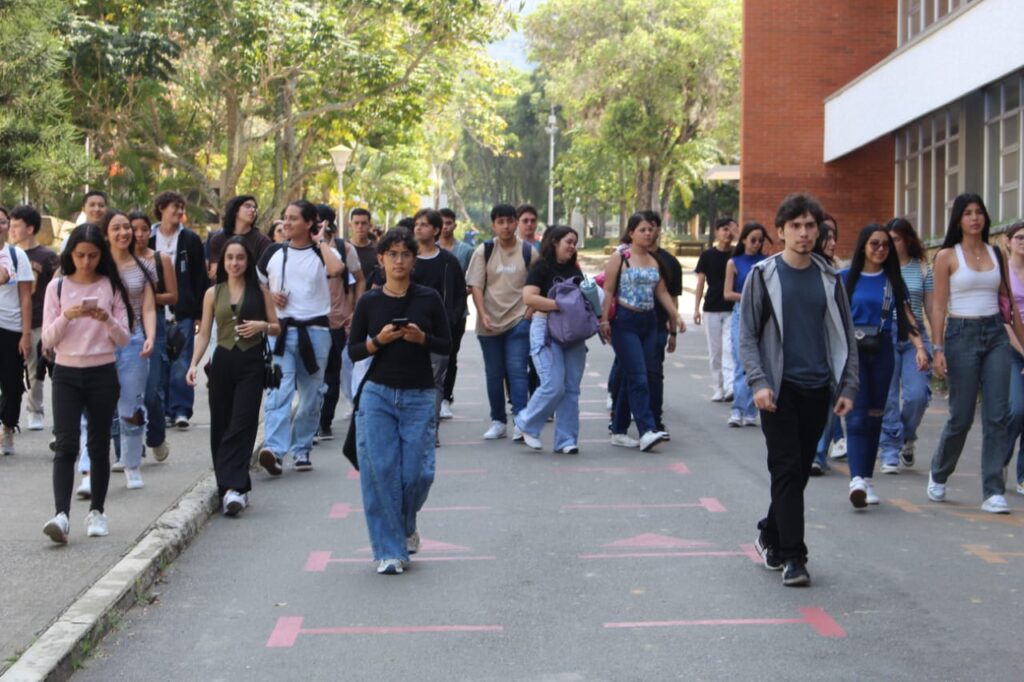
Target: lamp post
<point x="340" y="155"/>
<point x="551" y="129"/>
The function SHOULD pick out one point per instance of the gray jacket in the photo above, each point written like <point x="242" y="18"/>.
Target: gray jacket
<point x="762" y="329"/>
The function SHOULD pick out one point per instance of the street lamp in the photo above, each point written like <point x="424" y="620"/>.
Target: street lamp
<point x="340" y="155"/>
<point x="551" y="129"/>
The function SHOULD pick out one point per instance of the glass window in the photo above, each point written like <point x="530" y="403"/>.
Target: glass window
<point x="927" y="171"/>
<point x="1003" y="170"/>
<point x="918" y="15"/>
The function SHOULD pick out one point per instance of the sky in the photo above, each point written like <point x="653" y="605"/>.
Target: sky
<point x="513" y="48"/>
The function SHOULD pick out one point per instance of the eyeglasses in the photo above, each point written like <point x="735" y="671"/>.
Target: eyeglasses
<point x="1016" y="237"/>
<point x="875" y="245"/>
<point x="400" y="255"/>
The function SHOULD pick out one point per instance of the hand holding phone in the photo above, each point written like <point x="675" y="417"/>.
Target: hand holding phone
<point x="400" y="321"/>
<point x="90" y="302"/>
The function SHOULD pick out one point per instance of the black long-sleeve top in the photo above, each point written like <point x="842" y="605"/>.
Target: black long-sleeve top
<point x="400" y="364"/>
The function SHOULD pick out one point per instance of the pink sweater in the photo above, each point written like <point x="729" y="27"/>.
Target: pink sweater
<point x="83" y="341"/>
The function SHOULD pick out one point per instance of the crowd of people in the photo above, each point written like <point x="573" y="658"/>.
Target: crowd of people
<point x="281" y="326"/>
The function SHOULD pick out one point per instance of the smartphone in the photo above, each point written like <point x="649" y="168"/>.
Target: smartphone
<point x="400" y="321"/>
<point x="89" y="302"/>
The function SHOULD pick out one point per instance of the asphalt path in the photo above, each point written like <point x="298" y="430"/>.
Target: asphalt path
<point x="609" y="565"/>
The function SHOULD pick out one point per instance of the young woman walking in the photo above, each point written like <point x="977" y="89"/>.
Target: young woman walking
<point x="633" y="283"/>
<point x="399" y="325"/>
<point x="746" y="255"/>
<point x="879" y="305"/>
<point x="245" y="315"/>
<point x="969" y="278"/>
<point x="85" y="319"/>
<point x="559" y="367"/>
<point x="1015" y="240"/>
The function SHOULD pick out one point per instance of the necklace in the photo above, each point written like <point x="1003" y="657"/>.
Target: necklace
<point x="396" y="294"/>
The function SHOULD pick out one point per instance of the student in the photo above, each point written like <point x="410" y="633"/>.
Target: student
<point x="496" y="277"/>
<point x="85" y="319"/>
<point x="296" y="274"/>
<point x="239" y="220"/>
<point x="276" y="232"/>
<point x="396" y="427"/>
<point x="94" y="207"/>
<point x="463" y="252"/>
<point x="969" y="279"/>
<point x="717" y="309"/>
<point x="672" y="271"/>
<point x="526" y="225"/>
<point x="796" y="378"/>
<point x="560" y="367"/>
<point x="185" y="248"/>
<point x="25" y="225"/>
<point x="359" y="220"/>
<point x="245" y="316"/>
<point x="877" y="296"/>
<point x="1015" y="270"/>
<point x="15" y="333"/>
<point x="747" y="255"/>
<point x="633" y="284"/>
<point x="833" y="442"/>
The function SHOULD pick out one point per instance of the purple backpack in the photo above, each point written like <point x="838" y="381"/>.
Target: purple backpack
<point x="575" y="320"/>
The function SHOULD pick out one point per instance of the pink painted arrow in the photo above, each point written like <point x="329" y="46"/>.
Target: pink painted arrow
<point x="655" y="540"/>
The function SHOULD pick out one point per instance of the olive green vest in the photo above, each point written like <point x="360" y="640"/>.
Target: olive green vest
<point x="227" y="320"/>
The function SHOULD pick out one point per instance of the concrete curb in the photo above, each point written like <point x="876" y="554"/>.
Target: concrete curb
<point x="55" y="653"/>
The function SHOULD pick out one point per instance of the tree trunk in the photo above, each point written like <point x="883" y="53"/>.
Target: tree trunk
<point x="454" y="198"/>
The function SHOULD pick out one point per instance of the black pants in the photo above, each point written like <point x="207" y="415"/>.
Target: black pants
<point x="458" y="331"/>
<point x="236" y="392"/>
<point x="791" y="434"/>
<point x="332" y="378"/>
<point x="93" y="390"/>
<point x="12" y="377"/>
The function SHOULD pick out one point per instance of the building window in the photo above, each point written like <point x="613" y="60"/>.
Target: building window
<point x="929" y="170"/>
<point x="1003" y="159"/>
<point x="915" y="16"/>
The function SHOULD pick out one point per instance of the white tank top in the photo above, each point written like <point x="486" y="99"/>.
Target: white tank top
<point x="973" y="293"/>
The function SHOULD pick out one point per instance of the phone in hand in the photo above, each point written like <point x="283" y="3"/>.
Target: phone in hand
<point x="400" y="321"/>
<point x="90" y="302"/>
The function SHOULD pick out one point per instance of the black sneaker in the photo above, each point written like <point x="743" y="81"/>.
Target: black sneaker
<point x="303" y="464"/>
<point x="795" y="574"/>
<point x="269" y="461"/>
<point x="771" y="561"/>
<point x="817" y="469"/>
<point x="326" y="433"/>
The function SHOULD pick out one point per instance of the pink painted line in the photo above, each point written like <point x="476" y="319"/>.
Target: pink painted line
<point x="353" y="475"/>
<point x="662" y="555"/>
<point x="712" y="505"/>
<point x="288" y="629"/>
<point x="317" y="562"/>
<point x="751" y="553"/>
<point x="817" y="618"/>
<point x="588" y="507"/>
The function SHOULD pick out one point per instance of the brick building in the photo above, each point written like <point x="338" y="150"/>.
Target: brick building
<point x="882" y="108"/>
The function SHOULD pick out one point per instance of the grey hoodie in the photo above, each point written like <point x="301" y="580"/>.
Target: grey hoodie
<point x="761" y="329"/>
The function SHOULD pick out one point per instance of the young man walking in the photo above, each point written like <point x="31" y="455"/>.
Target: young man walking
<point x="496" y="277"/>
<point x="462" y="252"/>
<point x="15" y="333"/>
<point x="526" y="225"/>
<point x="717" y="315"/>
<point x="672" y="272"/>
<point x="798" y="377"/>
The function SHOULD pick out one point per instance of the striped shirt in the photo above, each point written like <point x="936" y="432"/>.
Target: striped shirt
<point x="918" y="285"/>
<point x="135" y="281"/>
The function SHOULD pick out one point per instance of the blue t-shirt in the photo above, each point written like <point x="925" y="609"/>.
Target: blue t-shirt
<point x="805" y="361"/>
<point x="743" y="263"/>
<point x="867" y="299"/>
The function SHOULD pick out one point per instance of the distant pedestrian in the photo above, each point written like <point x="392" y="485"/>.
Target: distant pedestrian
<point x="399" y="325"/>
<point x="970" y="277"/>
<point x="717" y="312"/>
<point x="276" y="232"/>
<point x="15" y="333"/>
<point x="833" y="442"/>
<point x="86" y="317"/>
<point x="798" y="377"/>
<point x="747" y="254"/>
<point x="245" y="315"/>
<point x="463" y="252"/>
<point x="1015" y="270"/>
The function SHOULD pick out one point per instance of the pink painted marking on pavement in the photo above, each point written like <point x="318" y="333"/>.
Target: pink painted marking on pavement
<point x="655" y="540"/>
<point x="817" y="618"/>
<point x="712" y="505"/>
<point x="353" y="475"/>
<point x="663" y="555"/>
<point x="317" y="562"/>
<point x="427" y="545"/>
<point x="341" y="510"/>
<point x="752" y="553"/>
<point x="288" y="629"/>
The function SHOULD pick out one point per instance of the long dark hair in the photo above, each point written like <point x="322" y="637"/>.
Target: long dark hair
<point x="741" y="246"/>
<point x="633" y="223"/>
<point x="310" y="215"/>
<point x="231" y="212"/>
<point x="253" y="305"/>
<point x="92" y="234"/>
<point x="549" y="243"/>
<point x="105" y="226"/>
<point x="908" y="234"/>
<point x="955" y="233"/>
<point x="891" y="268"/>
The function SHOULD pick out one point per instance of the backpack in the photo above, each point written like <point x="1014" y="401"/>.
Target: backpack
<point x="575" y="320"/>
<point x="489" y="250"/>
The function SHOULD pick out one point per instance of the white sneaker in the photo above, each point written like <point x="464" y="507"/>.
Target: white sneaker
<point x="517" y="435"/>
<point x="117" y="465"/>
<point x="735" y="421"/>
<point x="890" y="469"/>
<point x="7" y="441"/>
<point x="1020" y="488"/>
<point x="610" y="403"/>
<point x="838" y="449"/>
<point x="907" y="455"/>
<point x="57" y="529"/>
<point x="569" y="450"/>
<point x="718" y="396"/>
<point x="35" y="421"/>
<point x="412" y="543"/>
<point x="650" y="439"/>
<point x="160" y="452"/>
<point x="531" y="442"/>
<point x="446" y="410"/>
<point x="996" y="504"/>
<point x="390" y="567"/>
<point x="496" y="431"/>
<point x="871" y="497"/>
<point x="624" y="440"/>
<point x="234" y="502"/>
<point x="84" y="491"/>
<point x="936" y="491"/>
<point x="858" y="492"/>
<point x="751" y="421"/>
<point x="96" y="524"/>
<point x="134" y="479"/>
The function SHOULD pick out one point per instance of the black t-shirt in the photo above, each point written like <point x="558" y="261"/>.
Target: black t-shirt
<point x="430" y="272"/>
<point x="672" y="272"/>
<point x="442" y="273"/>
<point x="544" y="274"/>
<point x="400" y="364"/>
<point x="367" y="257"/>
<point x="45" y="262"/>
<point x="712" y="265"/>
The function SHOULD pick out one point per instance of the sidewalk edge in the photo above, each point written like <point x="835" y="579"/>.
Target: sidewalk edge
<point x="56" y="652"/>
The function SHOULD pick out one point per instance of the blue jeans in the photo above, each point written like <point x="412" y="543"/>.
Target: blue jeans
<point x="742" y="396"/>
<point x="899" y="426"/>
<point x="560" y="369"/>
<point x="978" y="356"/>
<point x="635" y="339"/>
<point x="506" y="355"/>
<point x="285" y="433"/>
<point x="833" y="432"/>
<point x="395" y="431"/>
<point x="180" y="396"/>
<point x="863" y="430"/>
<point x="156" y="427"/>
<point x="1016" y="414"/>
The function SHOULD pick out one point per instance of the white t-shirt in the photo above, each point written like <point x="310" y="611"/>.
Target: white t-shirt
<point x="305" y="280"/>
<point x="10" y="303"/>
